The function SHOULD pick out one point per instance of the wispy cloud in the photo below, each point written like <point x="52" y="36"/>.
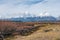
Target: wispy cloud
<point x="30" y="2"/>
<point x="24" y="2"/>
<point x="11" y="8"/>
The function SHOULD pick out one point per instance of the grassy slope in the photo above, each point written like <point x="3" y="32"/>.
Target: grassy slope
<point x="41" y="34"/>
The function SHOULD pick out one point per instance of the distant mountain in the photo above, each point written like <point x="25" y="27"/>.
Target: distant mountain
<point x="33" y="19"/>
<point x="58" y="18"/>
<point x="28" y="17"/>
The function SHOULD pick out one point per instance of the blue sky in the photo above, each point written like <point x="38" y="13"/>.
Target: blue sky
<point x="14" y="8"/>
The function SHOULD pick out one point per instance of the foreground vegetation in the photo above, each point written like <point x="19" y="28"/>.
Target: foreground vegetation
<point x="30" y="31"/>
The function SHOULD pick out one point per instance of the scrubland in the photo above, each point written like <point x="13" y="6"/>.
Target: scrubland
<point x="41" y="31"/>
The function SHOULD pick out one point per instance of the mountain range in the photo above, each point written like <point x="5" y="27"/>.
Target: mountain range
<point x="33" y="19"/>
<point x="43" y="17"/>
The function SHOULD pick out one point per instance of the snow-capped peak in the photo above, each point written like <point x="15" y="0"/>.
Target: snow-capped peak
<point x="44" y="14"/>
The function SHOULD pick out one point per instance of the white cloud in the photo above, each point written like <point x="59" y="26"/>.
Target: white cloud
<point x="11" y="8"/>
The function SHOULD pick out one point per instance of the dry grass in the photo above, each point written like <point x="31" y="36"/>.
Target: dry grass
<point x="45" y="32"/>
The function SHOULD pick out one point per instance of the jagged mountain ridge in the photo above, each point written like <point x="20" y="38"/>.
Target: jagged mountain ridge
<point x="33" y="19"/>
